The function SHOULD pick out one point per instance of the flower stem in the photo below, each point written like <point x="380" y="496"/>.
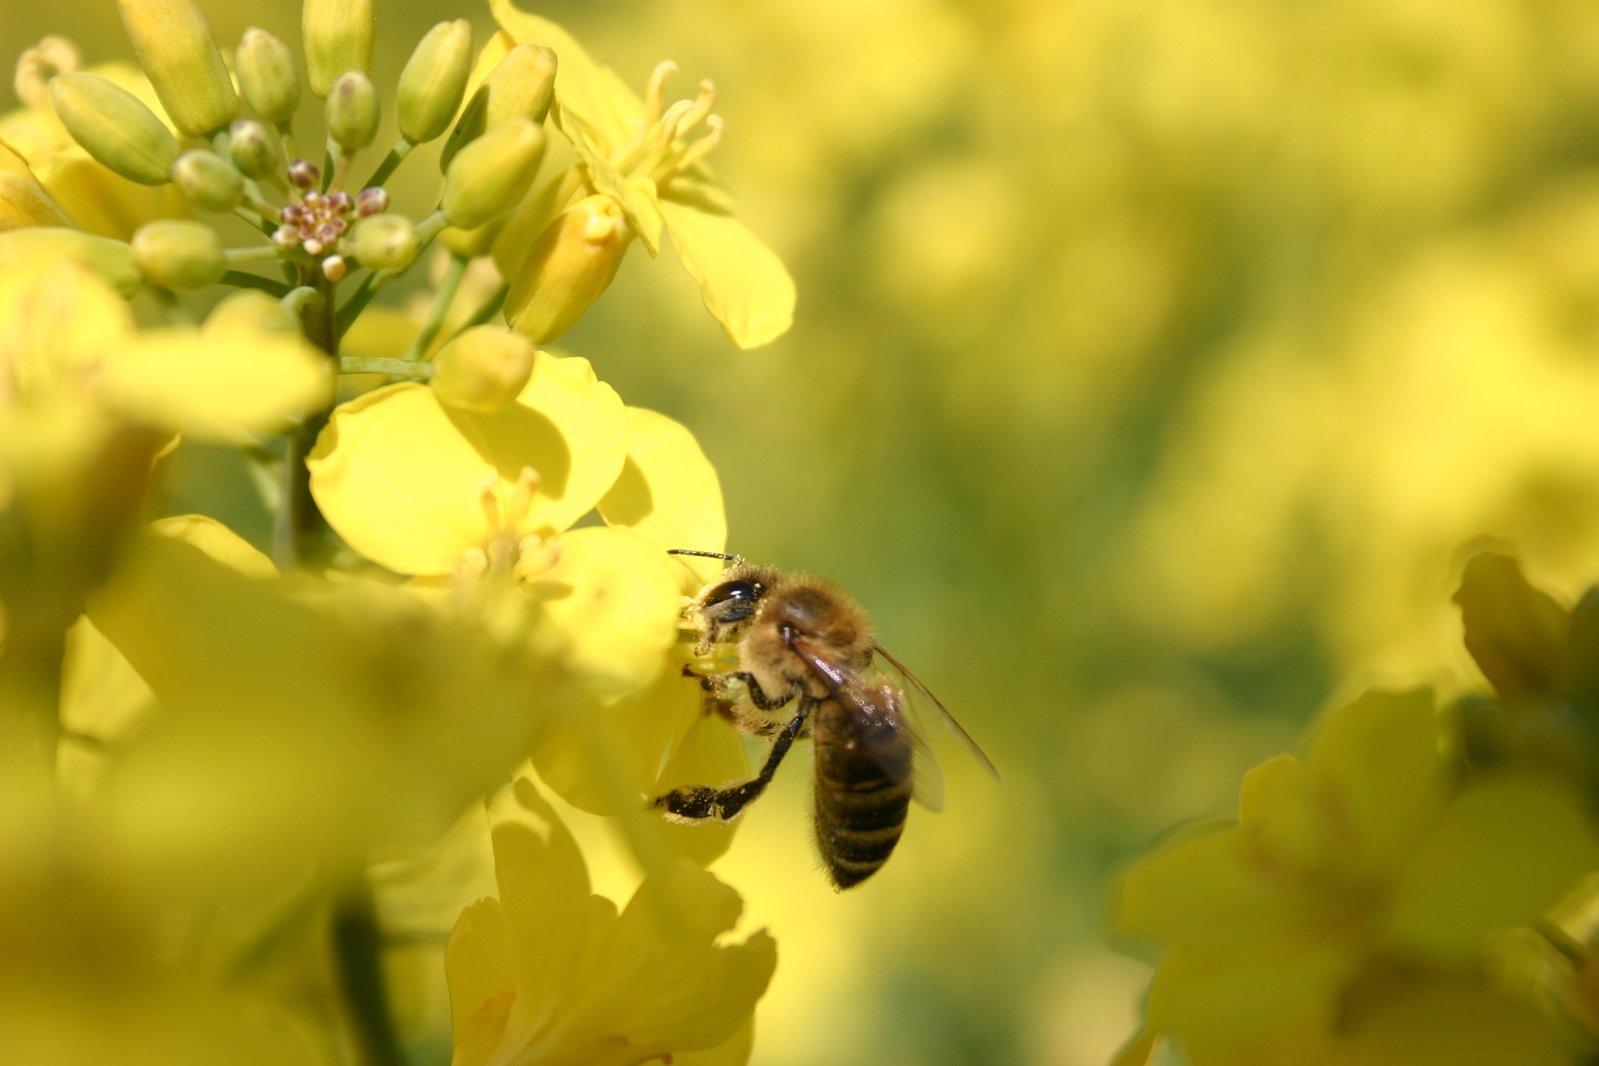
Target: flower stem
<point x="376" y="364"/>
<point x="391" y="162"/>
<point x="298" y="522"/>
<point x="357" y="953"/>
<point x="448" y="287"/>
<point x="489" y="307"/>
<point x="239" y="279"/>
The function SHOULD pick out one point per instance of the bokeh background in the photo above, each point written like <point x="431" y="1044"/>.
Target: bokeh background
<point x="1154" y="364"/>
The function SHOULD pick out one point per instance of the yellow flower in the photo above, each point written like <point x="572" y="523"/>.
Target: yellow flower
<point x="397" y="713"/>
<point x="649" y="158"/>
<point x="551" y="974"/>
<point x="1360" y="862"/>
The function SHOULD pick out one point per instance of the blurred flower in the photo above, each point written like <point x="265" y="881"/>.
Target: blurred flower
<point x="1358" y="874"/>
<point x="641" y="155"/>
<point x="550" y="974"/>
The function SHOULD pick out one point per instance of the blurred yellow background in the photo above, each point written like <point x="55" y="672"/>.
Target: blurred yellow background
<point x="1153" y="364"/>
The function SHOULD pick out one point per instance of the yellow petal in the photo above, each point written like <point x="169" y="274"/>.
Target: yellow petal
<point x="615" y="596"/>
<point x="668" y="491"/>
<point x="482" y="981"/>
<point x="217" y="541"/>
<point x="217" y="384"/>
<point x="1203" y="889"/>
<point x="582" y="85"/>
<point x="1279" y="808"/>
<point x="1251" y="990"/>
<point x="1505" y="850"/>
<point x="57" y="318"/>
<point x="402" y="478"/>
<point x="1517" y="634"/>
<point x="745" y="285"/>
<point x="636" y="196"/>
<point x="1379" y="763"/>
<point x="1439" y="1021"/>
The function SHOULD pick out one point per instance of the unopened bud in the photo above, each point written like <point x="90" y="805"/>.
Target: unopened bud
<point x="115" y="128"/>
<point x="338" y="37"/>
<point x="304" y="174"/>
<point x="567" y="269"/>
<point x="383" y="242"/>
<point x="490" y="176"/>
<point x="208" y="180"/>
<point x="484" y="369"/>
<point x="352" y="111"/>
<point x="521" y="85"/>
<point x="252" y="311"/>
<point x="267" y="78"/>
<point x="471" y="243"/>
<point x="23" y="200"/>
<point x="434" y="81"/>
<point x="177" y="254"/>
<point x="112" y="260"/>
<point x="253" y="148"/>
<point x="180" y="57"/>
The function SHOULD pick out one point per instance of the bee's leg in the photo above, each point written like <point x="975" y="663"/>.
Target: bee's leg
<point x="758" y="695"/>
<point x="725" y="803"/>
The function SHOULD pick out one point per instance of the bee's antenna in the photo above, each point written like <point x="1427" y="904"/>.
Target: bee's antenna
<point x="707" y="555"/>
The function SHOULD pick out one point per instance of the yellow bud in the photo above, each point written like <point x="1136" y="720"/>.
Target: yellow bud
<point x="484" y="369"/>
<point x="521" y="85"/>
<point x="179" y="56"/>
<point x="471" y="243"/>
<point x="567" y="269"/>
<point x="433" y="81"/>
<point x="490" y="176"/>
<point x="267" y="77"/>
<point x="112" y="260"/>
<point x="176" y="254"/>
<point x="23" y="200"/>
<point x="383" y="242"/>
<point x="253" y="148"/>
<point x="338" y="37"/>
<point x="252" y="311"/>
<point x="208" y="180"/>
<point x="352" y="111"/>
<point x="114" y="127"/>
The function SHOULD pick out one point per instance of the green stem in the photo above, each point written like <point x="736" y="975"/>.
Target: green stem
<point x="298" y="522"/>
<point x="358" y="959"/>
<point x="489" y="308"/>
<point x="391" y="162"/>
<point x="256" y="213"/>
<point x="442" y="300"/>
<point x="377" y="364"/>
<point x="239" y="279"/>
<point x="30" y="691"/>
<point x="261" y="253"/>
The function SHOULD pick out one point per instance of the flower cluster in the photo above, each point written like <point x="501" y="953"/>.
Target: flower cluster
<point x="239" y="731"/>
<point x="1415" y="887"/>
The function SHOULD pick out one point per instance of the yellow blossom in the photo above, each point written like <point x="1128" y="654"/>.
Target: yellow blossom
<point x="549" y="974"/>
<point x="1361" y="860"/>
<point x="649" y="157"/>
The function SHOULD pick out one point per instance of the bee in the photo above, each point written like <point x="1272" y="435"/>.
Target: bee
<point x="807" y="666"/>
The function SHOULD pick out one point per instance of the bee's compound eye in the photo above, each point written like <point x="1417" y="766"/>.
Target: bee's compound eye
<point x="733" y="601"/>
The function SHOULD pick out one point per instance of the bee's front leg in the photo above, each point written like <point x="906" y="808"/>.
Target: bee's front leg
<point x="726" y="803"/>
<point x="720" y="683"/>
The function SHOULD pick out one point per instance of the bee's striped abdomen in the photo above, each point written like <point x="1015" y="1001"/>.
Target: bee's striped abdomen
<point x="863" y="789"/>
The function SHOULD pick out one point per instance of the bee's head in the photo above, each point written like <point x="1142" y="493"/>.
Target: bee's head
<point x="727" y="606"/>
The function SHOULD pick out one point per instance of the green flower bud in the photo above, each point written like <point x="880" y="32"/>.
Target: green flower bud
<point x="352" y="111"/>
<point x="490" y="176"/>
<point x="177" y="254"/>
<point x="567" y="269"/>
<point x="383" y="242"/>
<point x="255" y="150"/>
<point x="208" y="180"/>
<point x="484" y="369"/>
<point x="434" y="81"/>
<point x="521" y="85"/>
<point x="114" y="127"/>
<point x="112" y="260"/>
<point x="338" y="37"/>
<point x="179" y="56"/>
<point x="267" y="76"/>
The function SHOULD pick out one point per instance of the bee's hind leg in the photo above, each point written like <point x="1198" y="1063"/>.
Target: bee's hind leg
<point x="726" y="803"/>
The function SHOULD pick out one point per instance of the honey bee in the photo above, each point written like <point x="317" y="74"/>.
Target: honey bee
<point x="806" y="666"/>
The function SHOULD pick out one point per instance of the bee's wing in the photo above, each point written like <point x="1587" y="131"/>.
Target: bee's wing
<point x="885" y="700"/>
<point x="929" y="715"/>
